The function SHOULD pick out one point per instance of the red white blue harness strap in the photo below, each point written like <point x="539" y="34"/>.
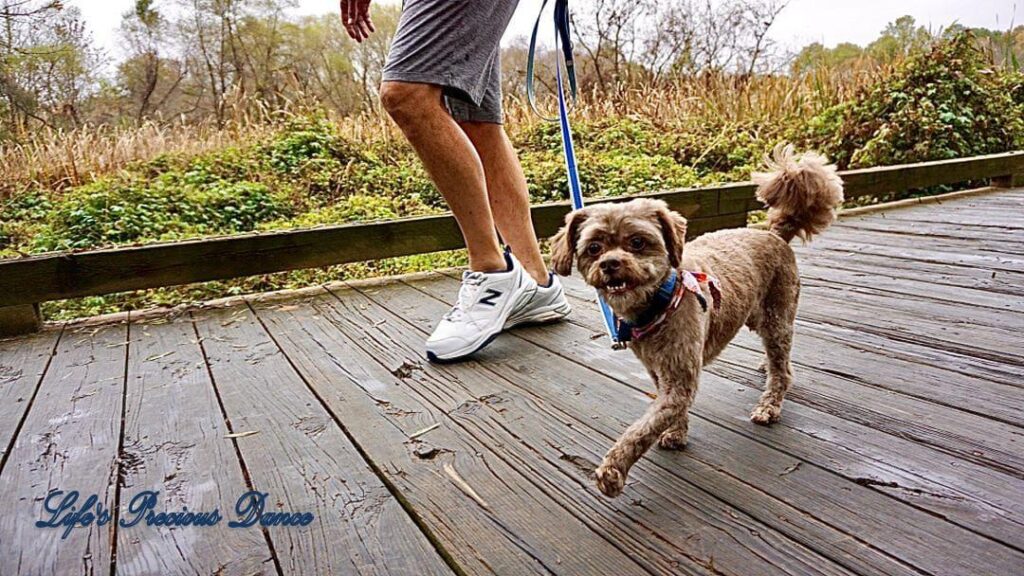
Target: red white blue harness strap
<point x="667" y="301"/>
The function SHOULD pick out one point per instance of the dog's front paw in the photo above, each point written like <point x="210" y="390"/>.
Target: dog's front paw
<point x="765" y="414"/>
<point x="672" y="440"/>
<point x="610" y="480"/>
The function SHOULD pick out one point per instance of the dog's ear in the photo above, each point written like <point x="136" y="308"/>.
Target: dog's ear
<point x="563" y="243"/>
<point x="673" y="230"/>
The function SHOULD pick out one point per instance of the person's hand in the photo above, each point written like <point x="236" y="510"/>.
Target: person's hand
<point x="355" y="16"/>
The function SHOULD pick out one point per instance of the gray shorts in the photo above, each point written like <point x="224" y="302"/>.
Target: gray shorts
<point x="455" y="44"/>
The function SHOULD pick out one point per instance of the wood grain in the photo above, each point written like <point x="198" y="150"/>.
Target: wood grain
<point x="175" y="442"/>
<point x="69" y="441"/>
<point x="343" y="348"/>
<point x="305" y="462"/>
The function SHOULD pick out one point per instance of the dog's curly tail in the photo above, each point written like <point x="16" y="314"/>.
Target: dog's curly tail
<point x="801" y="191"/>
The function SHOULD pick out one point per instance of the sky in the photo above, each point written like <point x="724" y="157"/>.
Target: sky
<point x="802" y="22"/>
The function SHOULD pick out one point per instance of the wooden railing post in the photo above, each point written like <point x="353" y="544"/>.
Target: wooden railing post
<point x="20" y="319"/>
<point x="1008" y="181"/>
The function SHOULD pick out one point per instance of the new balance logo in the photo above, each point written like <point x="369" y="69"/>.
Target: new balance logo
<point x="490" y="297"/>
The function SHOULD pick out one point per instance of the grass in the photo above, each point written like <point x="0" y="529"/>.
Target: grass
<point x="272" y="170"/>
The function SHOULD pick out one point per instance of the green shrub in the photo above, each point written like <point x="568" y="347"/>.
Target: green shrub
<point x="944" y="103"/>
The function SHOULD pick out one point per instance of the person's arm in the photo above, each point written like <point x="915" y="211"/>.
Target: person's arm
<point x="355" y="16"/>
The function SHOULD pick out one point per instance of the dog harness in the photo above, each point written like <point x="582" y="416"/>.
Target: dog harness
<point x="667" y="300"/>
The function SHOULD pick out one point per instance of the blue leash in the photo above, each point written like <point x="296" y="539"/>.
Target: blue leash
<point x="563" y="39"/>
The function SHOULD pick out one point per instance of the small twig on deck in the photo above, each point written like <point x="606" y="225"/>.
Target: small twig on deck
<point x="242" y="434"/>
<point x="790" y="469"/>
<point x="419" y="433"/>
<point x="466" y="488"/>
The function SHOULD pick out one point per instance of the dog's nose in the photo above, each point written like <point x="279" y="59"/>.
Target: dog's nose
<point x="610" y="265"/>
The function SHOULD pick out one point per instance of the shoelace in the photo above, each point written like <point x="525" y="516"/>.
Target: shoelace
<point x="467" y="295"/>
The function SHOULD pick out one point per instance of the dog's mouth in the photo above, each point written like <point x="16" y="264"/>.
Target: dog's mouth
<point x="617" y="286"/>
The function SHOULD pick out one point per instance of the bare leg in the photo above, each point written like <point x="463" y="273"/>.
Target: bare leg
<point x="452" y="162"/>
<point x="508" y="194"/>
<point x="669" y="410"/>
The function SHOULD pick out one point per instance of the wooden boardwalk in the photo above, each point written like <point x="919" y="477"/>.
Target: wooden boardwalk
<point x="900" y="450"/>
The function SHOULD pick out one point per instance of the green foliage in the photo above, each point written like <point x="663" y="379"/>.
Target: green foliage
<point x="944" y="103"/>
<point x="124" y="211"/>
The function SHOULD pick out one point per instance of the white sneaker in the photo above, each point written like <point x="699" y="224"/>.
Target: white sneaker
<point x="548" y="304"/>
<point x="485" y="302"/>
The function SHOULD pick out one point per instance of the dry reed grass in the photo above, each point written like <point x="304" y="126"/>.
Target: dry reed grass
<point x="54" y="160"/>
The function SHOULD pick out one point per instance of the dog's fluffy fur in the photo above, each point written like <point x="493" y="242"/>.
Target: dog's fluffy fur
<point x="627" y="251"/>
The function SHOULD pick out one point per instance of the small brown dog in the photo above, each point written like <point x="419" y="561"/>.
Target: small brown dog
<point x="633" y="254"/>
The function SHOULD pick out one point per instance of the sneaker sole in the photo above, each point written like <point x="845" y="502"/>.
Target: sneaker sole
<point x="543" y="316"/>
<point x="460" y="356"/>
<point x="475" y="347"/>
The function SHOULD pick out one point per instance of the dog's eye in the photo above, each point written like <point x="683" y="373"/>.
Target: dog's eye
<point x="637" y="243"/>
<point x="594" y="248"/>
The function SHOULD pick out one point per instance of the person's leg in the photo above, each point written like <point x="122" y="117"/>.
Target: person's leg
<point x="508" y="194"/>
<point x="452" y="162"/>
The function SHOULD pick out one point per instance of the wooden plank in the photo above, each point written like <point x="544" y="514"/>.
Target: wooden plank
<point x="661" y="499"/>
<point x="975" y="497"/>
<point x="69" y="441"/>
<point x="860" y="396"/>
<point x="20" y="319"/>
<point x="816" y="347"/>
<point x="174" y="442"/>
<point x="75" y="274"/>
<point x="1000" y="237"/>
<point x="389" y="399"/>
<point x="1004" y="251"/>
<point x="884" y="179"/>
<point x="1002" y="282"/>
<point x="23" y="363"/>
<point x="919" y="253"/>
<point x="836" y="274"/>
<point x="962" y="306"/>
<point x="905" y="320"/>
<point x="914" y="536"/>
<point x="302" y="458"/>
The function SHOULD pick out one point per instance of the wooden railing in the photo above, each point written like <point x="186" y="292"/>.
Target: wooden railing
<point x="25" y="282"/>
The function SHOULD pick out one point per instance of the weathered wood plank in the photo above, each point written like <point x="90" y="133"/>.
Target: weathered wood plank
<point x="23" y="363"/>
<point x="843" y="504"/>
<point x="70" y="274"/>
<point x="69" y="441"/>
<point x="1002" y="251"/>
<point x="965" y="307"/>
<point x="883" y="179"/>
<point x="20" y="319"/>
<point x="303" y="459"/>
<point x="174" y="442"/>
<point x="987" y="262"/>
<point x="388" y="398"/>
<point x="817" y="347"/>
<point x="898" y="320"/>
<point x="920" y="290"/>
<point x="999" y="283"/>
<point x="661" y="502"/>
<point x="74" y="274"/>
<point x="1001" y="238"/>
<point x="870" y="414"/>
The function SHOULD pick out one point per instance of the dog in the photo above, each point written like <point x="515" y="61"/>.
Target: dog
<point x="681" y="303"/>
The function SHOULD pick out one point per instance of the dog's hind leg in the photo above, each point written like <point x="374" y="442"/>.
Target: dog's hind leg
<point x="776" y="331"/>
<point x="780" y="376"/>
